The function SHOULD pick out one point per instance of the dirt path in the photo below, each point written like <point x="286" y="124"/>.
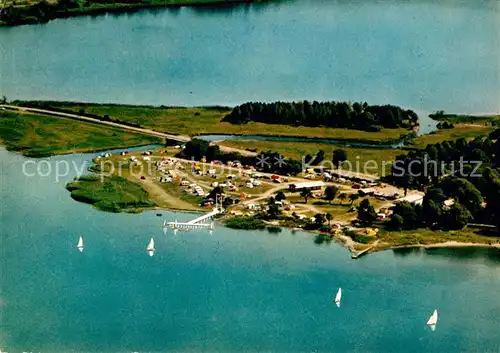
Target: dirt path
<point x="267" y="194"/>
<point x="162" y="197"/>
<point x="308" y="207"/>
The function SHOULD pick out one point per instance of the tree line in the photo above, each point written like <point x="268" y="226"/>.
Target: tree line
<point x="42" y="11"/>
<point x="360" y="116"/>
<point x="420" y="168"/>
<point x="462" y="187"/>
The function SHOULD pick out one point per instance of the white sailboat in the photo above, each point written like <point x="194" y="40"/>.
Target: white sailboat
<point x="80" y="244"/>
<point x="338" y="297"/>
<point x="433" y="320"/>
<point x="151" y="247"/>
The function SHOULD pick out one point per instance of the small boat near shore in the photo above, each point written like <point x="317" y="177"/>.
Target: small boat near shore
<point x="433" y="320"/>
<point x="151" y="247"/>
<point x="338" y="297"/>
<point x="80" y="244"/>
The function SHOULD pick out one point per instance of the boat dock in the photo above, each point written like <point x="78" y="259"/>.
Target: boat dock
<point x="203" y="221"/>
<point x="356" y="254"/>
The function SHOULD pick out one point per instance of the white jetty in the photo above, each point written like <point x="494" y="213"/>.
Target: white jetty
<point x="203" y="221"/>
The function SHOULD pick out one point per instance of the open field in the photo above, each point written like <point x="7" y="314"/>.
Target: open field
<point x="298" y="150"/>
<point x="114" y="194"/>
<point x="40" y="136"/>
<point x="207" y="120"/>
<point x="467" y="131"/>
<point x="468" y="119"/>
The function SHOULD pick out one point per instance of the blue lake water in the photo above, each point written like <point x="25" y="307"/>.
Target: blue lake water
<point x="233" y="291"/>
<point x="239" y="291"/>
<point x="418" y="54"/>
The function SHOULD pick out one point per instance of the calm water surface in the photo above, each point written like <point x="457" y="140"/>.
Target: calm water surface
<point x="239" y="291"/>
<point x="420" y="54"/>
<point x="234" y="291"/>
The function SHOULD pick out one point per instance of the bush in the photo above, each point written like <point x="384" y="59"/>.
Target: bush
<point x="246" y="223"/>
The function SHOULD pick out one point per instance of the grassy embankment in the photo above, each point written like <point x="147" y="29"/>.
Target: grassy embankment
<point x="113" y="194"/>
<point x="382" y="157"/>
<point x="207" y="120"/>
<point x="36" y="135"/>
<point x="467" y="131"/>
<point x="467" y="119"/>
<point x="466" y="126"/>
<point x="245" y="223"/>
<point x="19" y="12"/>
<point x="390" y="239"/>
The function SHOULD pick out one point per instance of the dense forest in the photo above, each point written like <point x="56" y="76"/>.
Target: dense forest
<point x="360" y="116"/>
<point x="421" y="168"/>
<point x="461" y="180"/>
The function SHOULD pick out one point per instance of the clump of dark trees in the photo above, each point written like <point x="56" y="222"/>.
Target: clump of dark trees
<point x="42" y="11"/>
<point x="445" y="125"/>
<point x="462" y="171"/>
<point x="360" y="116"/>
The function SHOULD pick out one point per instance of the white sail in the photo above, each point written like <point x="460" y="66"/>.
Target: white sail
<point x="80" y="244"/>
<point x="151" y="247"/>
<point x="338" y="297"/>
<point x="433" y="319"/>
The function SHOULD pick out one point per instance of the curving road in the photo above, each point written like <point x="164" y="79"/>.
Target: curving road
<point x="178" y="138"/>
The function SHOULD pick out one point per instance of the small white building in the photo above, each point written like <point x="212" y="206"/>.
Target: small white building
<point x="313" y="185"/>
<point x="416" y="199"/>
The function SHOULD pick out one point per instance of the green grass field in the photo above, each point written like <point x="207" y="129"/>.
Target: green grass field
<point x="357" y="156"/>
<point x="427" y="236"/>
<point x="467" y="119"/>
<point x="466" y="131"/>
<point x="41" y="136"/>
<point x="114" y="194"/>
<point x="205" y="120"/>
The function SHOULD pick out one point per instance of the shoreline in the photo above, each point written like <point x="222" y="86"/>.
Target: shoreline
<point x="122" y="8"/>
<point x="75" y="152"/>
<point x="359" y="249"/>
<point x="446" y="244"/>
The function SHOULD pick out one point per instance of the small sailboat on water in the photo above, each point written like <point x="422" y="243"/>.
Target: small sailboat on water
<point x="433" y="320"/>
<point x="338" y="297"/>
<point x="80" y="244"/>
<point x="151" y="247"/>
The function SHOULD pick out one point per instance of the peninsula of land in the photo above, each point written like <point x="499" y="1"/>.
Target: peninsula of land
<point x="368" y="210"/>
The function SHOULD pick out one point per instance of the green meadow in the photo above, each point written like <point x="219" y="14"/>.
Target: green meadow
<point x="36" y="135"/>
<point x="112" y="194"/>
<point x="194" y="121"/>
<point x="382" y="158"/>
